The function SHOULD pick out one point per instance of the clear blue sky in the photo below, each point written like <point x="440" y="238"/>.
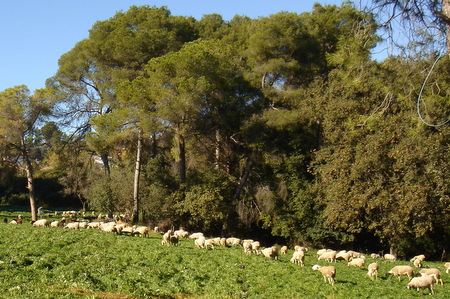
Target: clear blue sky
<point x="35" y="33"/>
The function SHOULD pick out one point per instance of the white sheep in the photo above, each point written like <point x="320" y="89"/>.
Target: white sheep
<point x="41" y="223"/>
<point x="283" y="250"/>
<point x="209" y="243"/>
<point x="270" y="252"/>
<point x="372" y="271"/>
<point x="72" y="225"/>
<point x="166" y="238"/>
<point x="447" y="267"/>
<point x="298" y="257"/>
<point x="432" y="272"/>
<point x="402" y="270"/>
<point x="256" y="247"/>
<point x="328" y="272"/>
<point x="108" y="228"/>
<point x="181" y="233"/>
<point x="417" y="260"/>
<point x="194" y="236"/>
<point x="423" y="282"/>
<point x="357" y="262"/>
<point x="329" y="256"/>
<point x="346" y="256"/>
<point x="375" y="255"/>
<point x="390" y="257"/>
<point x="223" y="242"/>
<point x="142" y="231"/>
<point x="247" y="247"/>
<point x="200" y="242"/>
<point x="94" y="224"/>
<point x="322" y="251"/>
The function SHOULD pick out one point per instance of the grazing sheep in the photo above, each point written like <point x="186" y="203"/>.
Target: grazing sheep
<point x="209" y="243"/>
<point x="298" y="257"/>
<point x="343" y="256"/>
<point x="447" y="267"/>
<point x="108" y="228"/>
<point x="223" y="242"/>
<point x="124" y="229"/>
<point x="256" y="247"/>
<point x="247" y="247"/>
<point x="195" y="236"/>
<point x="357" y="262"/>
<point x="181" y="233"/>
<point x="142" y="231"/>
<point x="322" y="251"/>
<point x="17" y="220"/>
<point x="390" y="257"/>
<point x="402" y="270"/>
<point x="375" y="256"/>
<point x="423" y="282"/>
<point x="372" y="271"/>
<point x="156" y="230"/>
<point x="328" y="272"/>
<point x="41" y="223"/>
<point x="432" y="272"/>
<point x="270" y="252"/>
<point x="94" y="224"/>
<point x="283" y="250"/>
<point x="72" y="225"/>
<point x="200" y="242"/>
<point x="329" y="256"/>
<point x="173" y="240"/>
<point x="166" y="238"/>
<point x="417" y="260"/>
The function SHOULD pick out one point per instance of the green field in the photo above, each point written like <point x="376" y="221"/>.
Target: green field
<point x="58" y="263"/>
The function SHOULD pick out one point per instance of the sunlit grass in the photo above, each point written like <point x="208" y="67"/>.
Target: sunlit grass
<point x="60" y="263"/>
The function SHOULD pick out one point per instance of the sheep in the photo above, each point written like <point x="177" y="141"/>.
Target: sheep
<point x="322" y="251"/>
<point x="72" y="225"/>
<point x="56" y="223"/>
<point x="247" y="247"/>
<point x="344" y="256"/>
<point x="108" y="228"/>
<point x="375" y="256"/>
<point x="142" y="231"/>
<point x="195" y="236"/>
<point x="390" y="257"/>
<point x="300" y="248"/>
<point x="173" y="240"/>
<point x="124" y="229"/>
<point x="372" y="271"/>
<point x="284" y="250"/>
<point x="223" y="242"/>
<point x="401" y="270"/>
<point x="357" y="262"/>
<point x="41" y="223"/>
<point x="328" y="272"/>
<point x="432" y="272"/>
<point x="166" y="237"/>
<point x="209" y="243"/>
<point x="94" y="224"/>
<point x="447" y="267"/>
<point x="256" y="247"/>
<point x="329" y="256"/>
<point x="417" y="260"/>
<point x="298" y="257"/>
<point x="18" y="220"/>
<point x="200" y="242"/>
<point x="270" y="252"/>
<point x="181" y="233"/>
<point x="156" y="230"/>
<point x="424" y="282"/>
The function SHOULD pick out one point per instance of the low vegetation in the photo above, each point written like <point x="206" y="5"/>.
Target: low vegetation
<point x="60" y="263"/>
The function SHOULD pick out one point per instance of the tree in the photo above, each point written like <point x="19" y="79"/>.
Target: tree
<point x="20" y="114"/>
<point x="426" y="21"/>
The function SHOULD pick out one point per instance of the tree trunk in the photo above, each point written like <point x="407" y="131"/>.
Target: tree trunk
<point x="217" y="153"/>
<point x="245" y="175"/>
<point x="105" y="161"/>
<point x="30" y="181"/>
<point x="137" y="172"/>
<point x="182" y="158"/>
<point x="446" y="12"/>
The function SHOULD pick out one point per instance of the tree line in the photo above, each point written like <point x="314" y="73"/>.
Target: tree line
<point x="281" y="126"/>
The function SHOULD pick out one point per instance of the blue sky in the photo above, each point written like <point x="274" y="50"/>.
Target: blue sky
<point x="35" y="33"/>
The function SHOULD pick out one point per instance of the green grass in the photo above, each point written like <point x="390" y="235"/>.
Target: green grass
<point x="58" y="263"/>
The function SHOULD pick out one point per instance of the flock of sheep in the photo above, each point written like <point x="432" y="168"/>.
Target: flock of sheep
<point x="426" y="280"/>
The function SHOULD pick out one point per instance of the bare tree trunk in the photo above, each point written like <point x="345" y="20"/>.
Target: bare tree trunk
<point x="30" y="181"/>
<point x="217" y="153"/>
<point x="105" y="161"/>
<point x="245" y="175"/>
<point x="137" y="172"/>
<point x="182" y="157"/>
<point x="446" y="12"/>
